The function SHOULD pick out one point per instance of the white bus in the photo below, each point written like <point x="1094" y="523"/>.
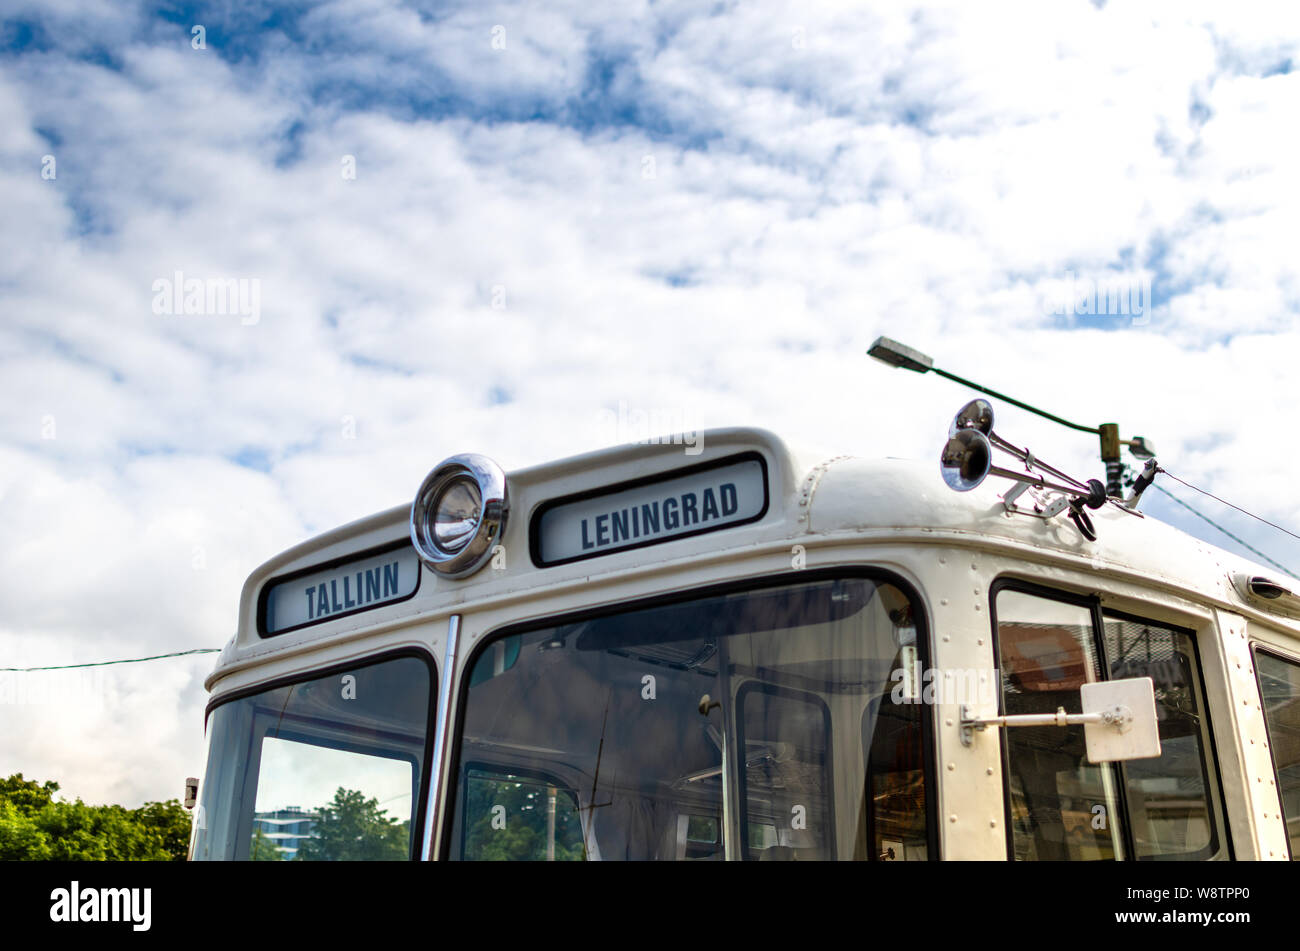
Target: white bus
<point x="747" y="654"/>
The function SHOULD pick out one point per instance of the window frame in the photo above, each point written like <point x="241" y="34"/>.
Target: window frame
<point x="1213" y="784"/>
<point x="929" y="737"/>
<point x="370" y="660"/>
<point x="742" y="794"/>
<point x="1257" y="648"/>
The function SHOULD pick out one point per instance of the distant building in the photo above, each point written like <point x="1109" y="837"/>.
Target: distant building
<point x="286" y="827"/>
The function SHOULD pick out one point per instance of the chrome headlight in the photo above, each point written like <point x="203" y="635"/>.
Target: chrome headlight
<point x="459" y="514"/>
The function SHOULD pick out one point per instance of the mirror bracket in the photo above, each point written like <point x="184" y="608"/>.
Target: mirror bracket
<point x="1119" y="717"/>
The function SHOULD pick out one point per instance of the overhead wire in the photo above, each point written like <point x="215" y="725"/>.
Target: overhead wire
<point x="1229" y="504"/>
<point x="1240" y="541"/>
<point x="107" y="663"/>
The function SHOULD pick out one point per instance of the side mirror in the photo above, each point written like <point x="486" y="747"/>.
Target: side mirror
<point x="1127" y="729"/>
<point x="1118" y="719"/>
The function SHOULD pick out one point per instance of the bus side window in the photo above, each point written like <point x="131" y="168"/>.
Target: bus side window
<point x="1062" y="806"/>
<point x="1171" y="810"/>
<point x="1279" y="687"/>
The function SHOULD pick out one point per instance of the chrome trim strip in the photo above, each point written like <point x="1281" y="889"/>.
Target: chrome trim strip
<point x="441" y="745"/>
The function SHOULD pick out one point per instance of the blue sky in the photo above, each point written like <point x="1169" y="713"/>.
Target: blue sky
<point x="482" y="227"/>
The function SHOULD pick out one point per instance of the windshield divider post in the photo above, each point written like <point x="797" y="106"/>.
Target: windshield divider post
<point x="732" y="844"/>
<point x="439" y="778"/>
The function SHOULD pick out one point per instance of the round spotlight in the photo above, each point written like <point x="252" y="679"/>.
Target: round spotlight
<point x="455" y="514"/>
<point x="459" y="514"/>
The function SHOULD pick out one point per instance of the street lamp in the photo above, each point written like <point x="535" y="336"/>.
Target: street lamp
<point x="898" y="355"/>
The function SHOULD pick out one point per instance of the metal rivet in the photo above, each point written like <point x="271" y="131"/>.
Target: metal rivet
<point x="988" y="771"/>
<point x="952" y="818"/>
<point x="993" y="823"/>
<point x="951" y="767"/>
<point x="946" y="638"/>
<point x="947" y="723"/>
<point x="943" y="600"/>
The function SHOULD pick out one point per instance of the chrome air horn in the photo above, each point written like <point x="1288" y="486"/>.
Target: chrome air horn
<point x="967" y="460"/>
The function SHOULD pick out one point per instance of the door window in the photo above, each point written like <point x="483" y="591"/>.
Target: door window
<point x="1061" y="805"/>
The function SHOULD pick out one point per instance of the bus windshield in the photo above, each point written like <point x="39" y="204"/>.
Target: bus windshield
<point x="326" y="769"/>
<point x="766" y="724"/>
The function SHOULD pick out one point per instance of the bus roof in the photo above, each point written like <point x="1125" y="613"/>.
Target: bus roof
<point x="811" y="500"/>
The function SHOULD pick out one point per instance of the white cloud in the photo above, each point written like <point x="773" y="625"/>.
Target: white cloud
<point x="820" y="175"/>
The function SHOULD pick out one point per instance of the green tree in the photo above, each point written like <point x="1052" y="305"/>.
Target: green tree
<point x="34" y="826"/>
<point x="21" y="839"/>
<point x="352" y="828"/>
<point x="79" y="832"/>
<point x="171" y="821"/>
<point x="263" y="848"/>
<point x="521" y="805"/>
<point x="27" y="795"/>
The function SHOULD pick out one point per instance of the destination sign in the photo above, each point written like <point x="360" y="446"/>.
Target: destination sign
<point x="345" y="588"/>
<point x="647" y="514"/>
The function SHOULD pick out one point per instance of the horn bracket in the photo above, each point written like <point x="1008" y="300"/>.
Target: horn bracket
<point x="1041" y="504"/>
<point x="967" y="459"/>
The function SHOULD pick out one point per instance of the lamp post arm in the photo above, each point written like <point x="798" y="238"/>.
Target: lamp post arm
<point x="1015" y="402"/>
